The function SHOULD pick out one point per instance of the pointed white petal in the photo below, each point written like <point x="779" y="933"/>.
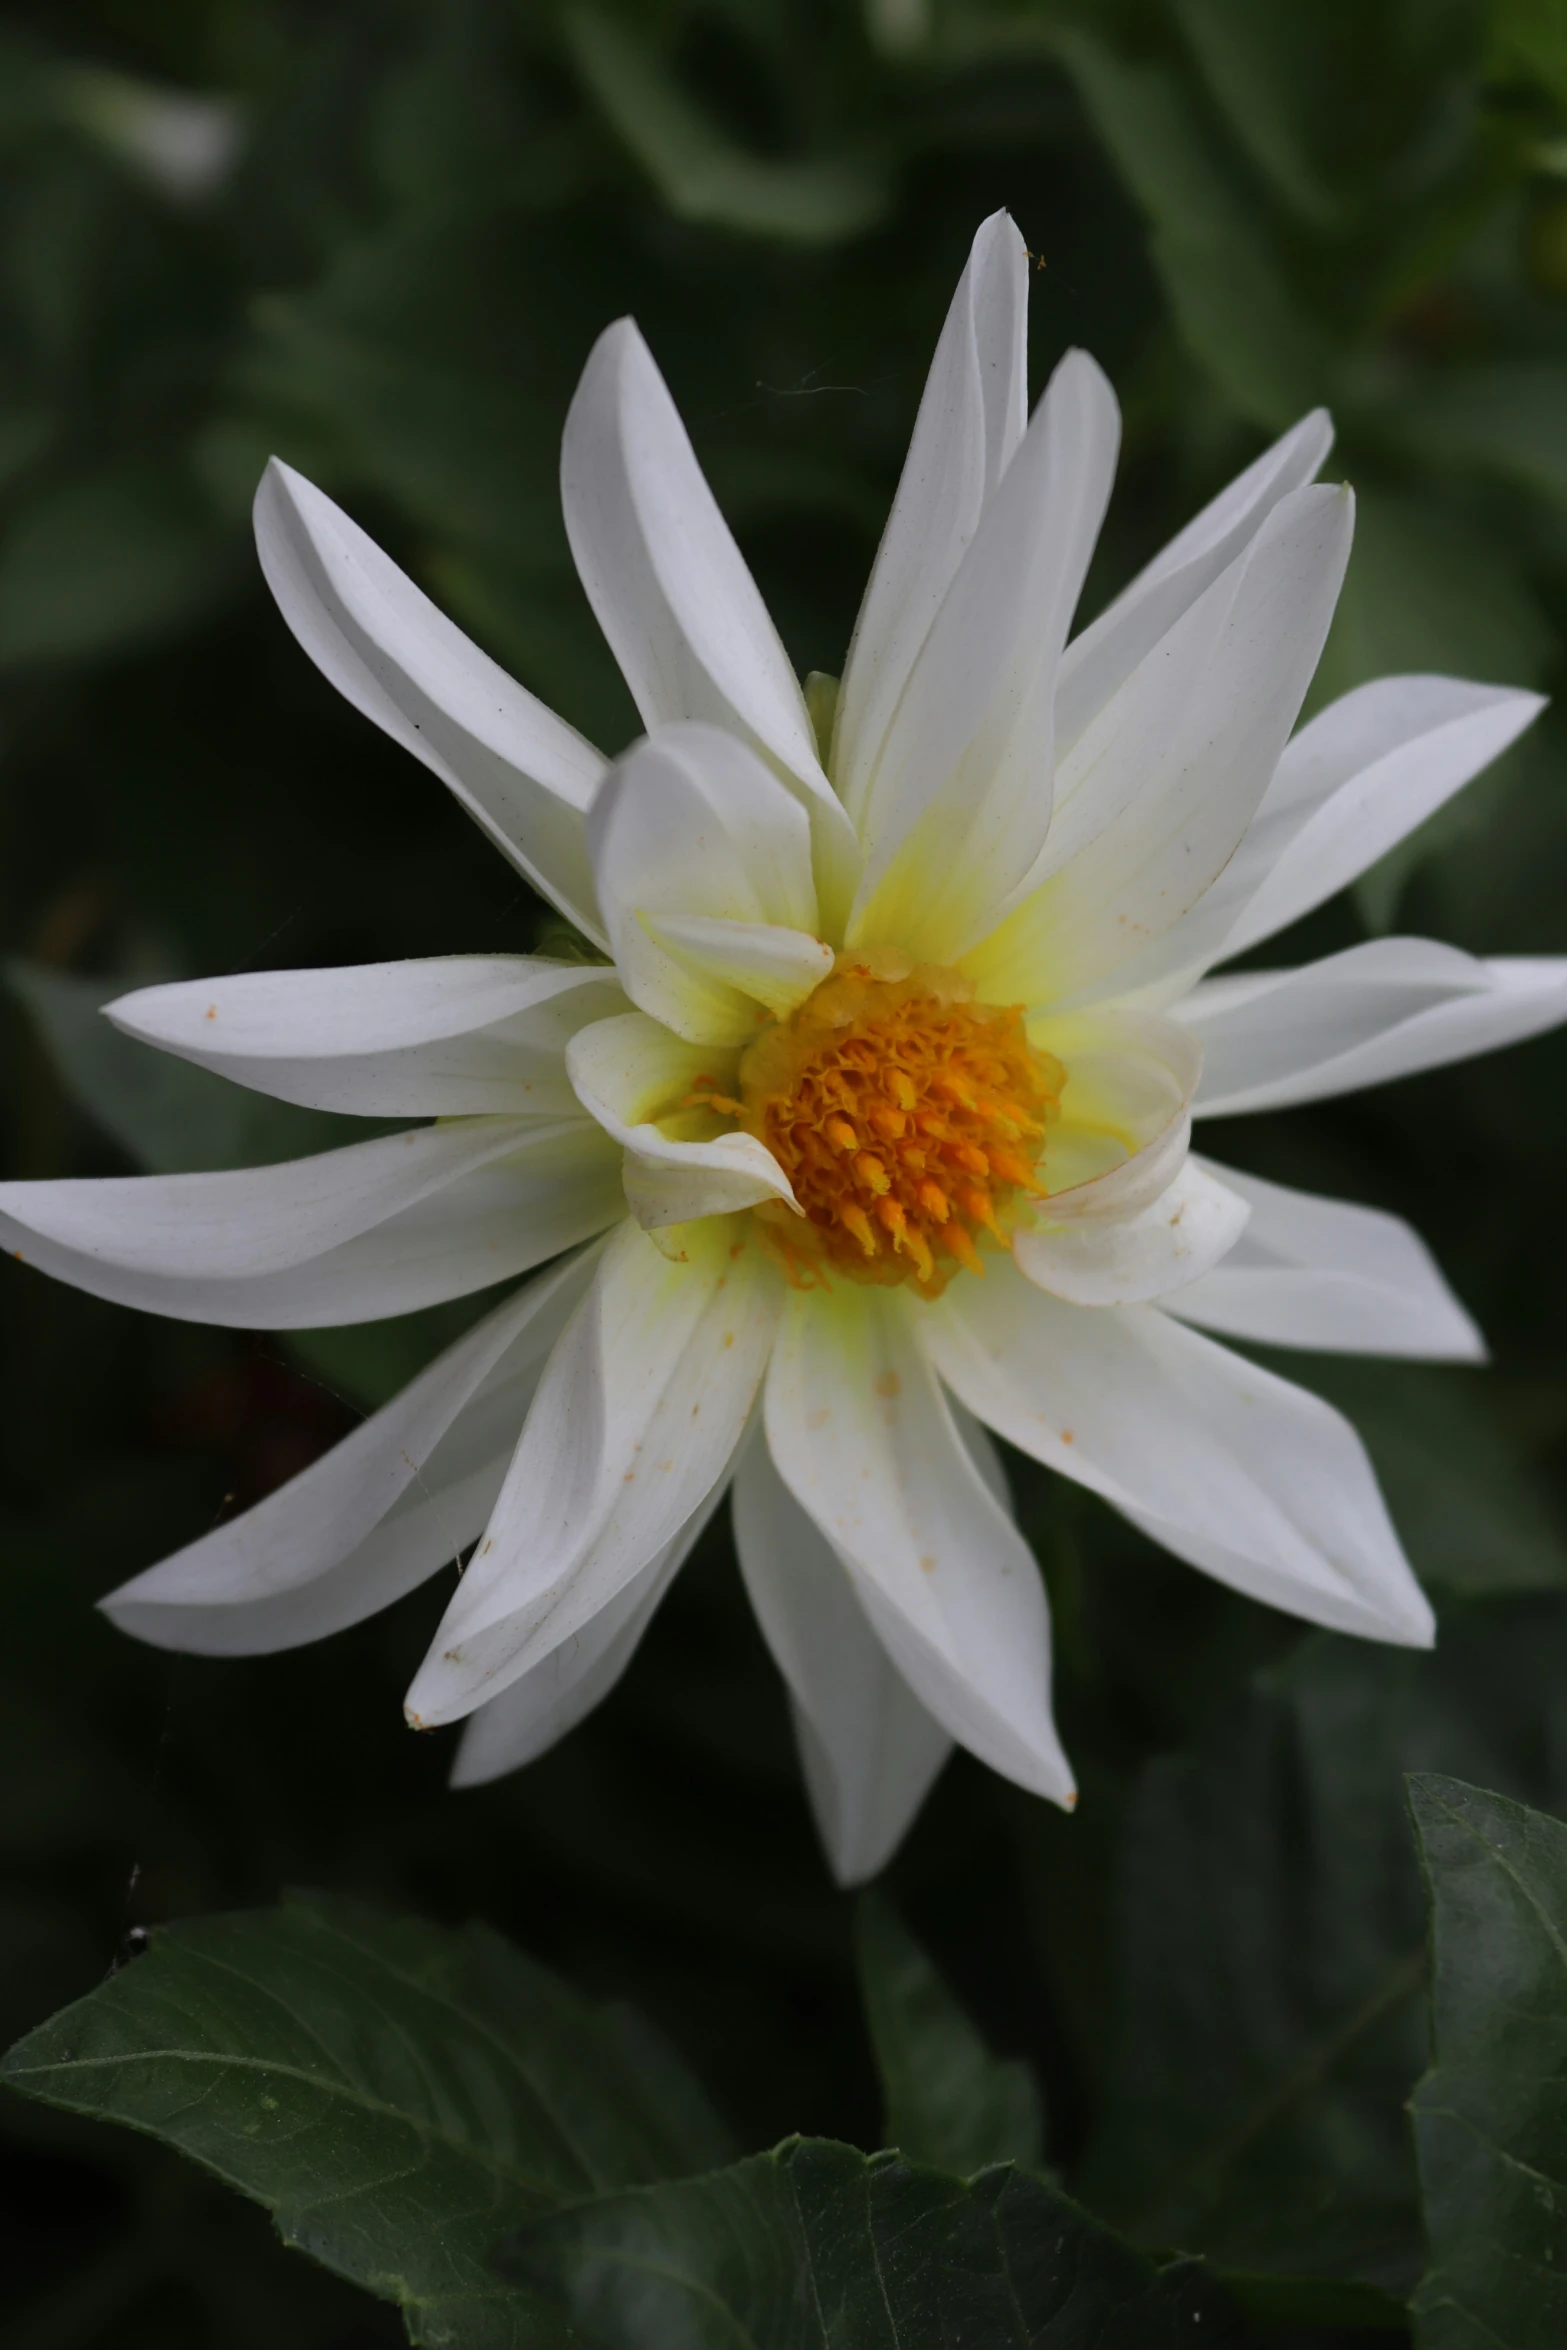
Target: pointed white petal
<point x="1125" y="1118"/>
<point x="1364" y="772"/>
<point x="1381" y="1010"/>
<point x="1161" y="787"/>
<point x="636" y="1420"/>
<point x="970" y="422"/>
<point x="1323" y="1273"/>
<point x="690" y="823"/>
<point x="537" y="1711"/>
<point x="523" y="774"/>
<point x="1099" y="661"/>
<point x="1234" y="1470"/>
<point x="457" y="1036"/>
<point x="862" y="1436"/>
<point x="630" y="1073"/>
<point x="959" y="802"/>
<point x="869" y="1749"/>
<point x="670" y="588"/>
<point x="1127" y="1260"/>
<point x="350" y="1236"/>
<point x="375" y="1516"/>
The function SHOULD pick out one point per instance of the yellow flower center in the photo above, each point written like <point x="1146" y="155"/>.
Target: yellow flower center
<point x="909" y="1119"/>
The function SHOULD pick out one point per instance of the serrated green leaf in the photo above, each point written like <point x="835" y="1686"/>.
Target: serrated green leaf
<point x="697" y="168"/>
<point x="946" y="2099"/>
<point x="398" y="2095"/>
<point x="816" y="2245"/>
<point x="1491" y="2114"/>
<point x="1271" y="1947"/>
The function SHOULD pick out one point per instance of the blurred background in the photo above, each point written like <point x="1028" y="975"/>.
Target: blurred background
<point x="379" y="237"/>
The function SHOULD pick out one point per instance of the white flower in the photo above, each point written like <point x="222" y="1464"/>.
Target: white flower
<point x="895" y="1064"/>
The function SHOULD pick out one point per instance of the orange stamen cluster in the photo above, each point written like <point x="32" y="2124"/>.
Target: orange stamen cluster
<point x="909" y="1120"/>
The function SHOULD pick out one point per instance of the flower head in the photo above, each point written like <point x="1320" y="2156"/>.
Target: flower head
<point x="872" y="1131"/>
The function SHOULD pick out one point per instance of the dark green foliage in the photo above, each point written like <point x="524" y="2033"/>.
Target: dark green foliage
<point x="1491" y="2114"/>
<point x="1272" y="1947"/>
<point x="396" y="2095"/>
<point x="816" y="2246"/>
<point x="427" y="213"/>
<point x="946" y="2100"/>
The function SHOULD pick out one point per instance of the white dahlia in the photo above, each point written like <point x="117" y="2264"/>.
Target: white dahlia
<point x="874" y="1123"/>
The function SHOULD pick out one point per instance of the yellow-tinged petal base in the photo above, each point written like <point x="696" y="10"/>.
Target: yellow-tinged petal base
<point x="909" y="1119"/>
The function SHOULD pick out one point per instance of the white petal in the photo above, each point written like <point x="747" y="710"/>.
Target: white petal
<point x="670" y="588"/>
<point x="636" y="1420"/>
<point x="631" y="1072"/>
<point x="1364" y="773"/>
<point x="959" y="803"/>
<point x="970" y="422"/>
<point x="350" y="1236"/>
<point x="523" y="774"/>
<point x="869" y="1749"/>
<point x="1323" y="1273"/>
<point x="1381" y="1010"/>
<point x="538" y="1710"/>
<point x="1352" y="783"/>
<point x="1125" y="1118"/>
<point x="766" y="965"/>
<point x="690" y="823"/>
<point x="1159" y="790"/>
<point x="1125" y="1261"/>
<point x="862" y="1436"/>
<point x="1239" y="1473"/>
<point x="376" y="1515"/>
<point x="459" y="1035"/>
<point x="1100" y="660"/>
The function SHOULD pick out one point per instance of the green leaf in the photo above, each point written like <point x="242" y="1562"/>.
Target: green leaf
<point x="1530" y="36"/>
<point x="1491" y="2114"/>
<point x="165" y="1113"/>
<point x="1263" y="67"/>
<point x="1271" y="1947"/>
<point x="816" y="2245"/>
<point x="1235" y="310"/>
<point x="698" y="170"/>
<point x="1474" y="1515"/>
<point x="103" y="562"/>
<point x="947" y="2100"/>
<point x="1509" y="420"/>
<point x="398" y="2095"/>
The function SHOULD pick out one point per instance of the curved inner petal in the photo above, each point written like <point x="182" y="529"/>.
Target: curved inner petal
<point x="654" y="1095"/>
<point x="1125" y="1110"/>
<point x="690" y="825"/>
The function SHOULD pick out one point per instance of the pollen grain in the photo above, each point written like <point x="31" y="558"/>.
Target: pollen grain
<point x="909" y="1119"/>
